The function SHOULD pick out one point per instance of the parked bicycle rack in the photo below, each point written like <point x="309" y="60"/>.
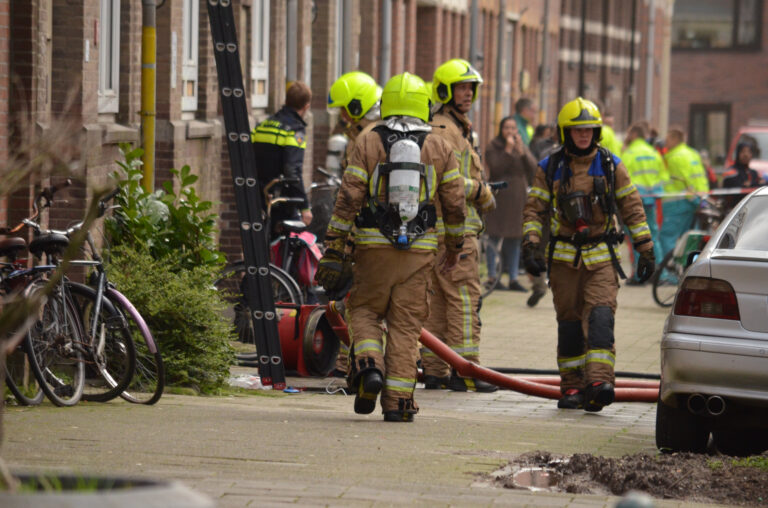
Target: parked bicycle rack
<point x="258" y="291"/>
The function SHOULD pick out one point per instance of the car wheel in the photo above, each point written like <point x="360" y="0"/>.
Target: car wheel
<point x="677" y="430"/>
<point x="741" y="443"/>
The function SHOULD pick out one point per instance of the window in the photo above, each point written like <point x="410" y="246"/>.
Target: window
<point x="259" y="53"/>
<point x="710" y="125"/>
<point x="716" y="24"/>
<point x="189" y="56"/>
<point x="109" y="56"/>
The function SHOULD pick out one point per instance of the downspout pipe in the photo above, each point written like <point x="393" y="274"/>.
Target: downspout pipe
<point x="544" y="75"/>
<point x="650" y="59"/>
<point x="500" y="52"/>
<point x="582" y="46"/>
<point x="148" y="90"/>
<point x="386" y="41"/>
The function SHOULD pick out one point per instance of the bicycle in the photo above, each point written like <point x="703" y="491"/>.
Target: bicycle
<point x="147" y="382"/>
<point x="19" y="378"/>
<point x="669" y="272"/>
<point x="323" y="199"/>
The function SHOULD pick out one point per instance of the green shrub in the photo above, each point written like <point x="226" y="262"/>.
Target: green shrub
<point x="179" y="227"/>
<point x="184" y="313"/>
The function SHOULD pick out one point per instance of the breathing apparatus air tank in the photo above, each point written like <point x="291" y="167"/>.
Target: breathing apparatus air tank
<point x="337" y="145"/>
<point x="404" y="184"/>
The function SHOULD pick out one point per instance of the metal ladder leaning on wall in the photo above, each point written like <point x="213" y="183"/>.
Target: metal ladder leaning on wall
<point x="258" y="290"/>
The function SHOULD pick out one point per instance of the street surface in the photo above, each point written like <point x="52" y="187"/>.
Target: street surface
<point x="310" y="449"/>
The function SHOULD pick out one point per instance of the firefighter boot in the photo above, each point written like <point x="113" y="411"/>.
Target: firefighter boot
<point x="369" y="385"/>
<point x="406" y="408"/>
<point x="435" y="382"/>
<point x="572" y="399"/>
<point x="462" y="384"/>
<point x="598" y="395"/>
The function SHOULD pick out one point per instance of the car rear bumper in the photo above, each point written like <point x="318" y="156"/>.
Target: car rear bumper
<point x="731" y="368"/>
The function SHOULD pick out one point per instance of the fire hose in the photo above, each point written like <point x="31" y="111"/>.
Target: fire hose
<point x="548" y="387"/>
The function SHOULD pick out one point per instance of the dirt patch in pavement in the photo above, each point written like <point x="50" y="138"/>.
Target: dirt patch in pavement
<point x="684" y="476"/>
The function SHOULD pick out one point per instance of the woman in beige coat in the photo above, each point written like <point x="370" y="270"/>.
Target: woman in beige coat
<point x="508" y="159"/>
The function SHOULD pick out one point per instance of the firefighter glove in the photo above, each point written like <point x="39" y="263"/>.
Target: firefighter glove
<point x="485" y="199"/>
<point x="334" y="271"/>
<point x="645" y="265"/>
<point x="533" y="258"/>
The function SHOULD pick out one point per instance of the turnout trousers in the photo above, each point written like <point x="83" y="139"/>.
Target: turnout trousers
<point x="390" y="286"/>
<point x="585" y="304"/>
<point x="454" y="316"/>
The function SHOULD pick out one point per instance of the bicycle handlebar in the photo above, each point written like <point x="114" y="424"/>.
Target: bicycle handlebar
<point x="498" y="185"/>
<point x="43" y="200"/>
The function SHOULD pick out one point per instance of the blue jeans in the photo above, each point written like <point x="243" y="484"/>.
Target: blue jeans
<point x="510" y="255"/>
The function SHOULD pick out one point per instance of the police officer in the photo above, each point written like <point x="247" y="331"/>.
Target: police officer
<point x="279" y="143"/>
<point x="686" y="175"/>
<point x="400" y="179"/>
<point x="456" y="301"/>
<point x="584" y="186"/>
<point x="647" y="171"/>
<point x="358" y="97"/>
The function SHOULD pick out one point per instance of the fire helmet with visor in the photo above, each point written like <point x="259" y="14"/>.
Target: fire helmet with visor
<point x="356" y="92"/>
<point x="406" y="95"/>
<point x="451" y="72"/>
<point x="579" y="112"/>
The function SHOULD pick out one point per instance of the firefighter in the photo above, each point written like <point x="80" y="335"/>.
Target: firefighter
<point x="585" y="187"/>
<point x="400" y="178"/>
<point x="279" y="143"/>
<point x="456" y="302"/>
<point x="358" y="97"/>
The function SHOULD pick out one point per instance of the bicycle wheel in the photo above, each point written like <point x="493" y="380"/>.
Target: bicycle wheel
<point x="148" y="381"/>
<point x="110" y="365"/>
<point x="19" y="378"/>
<point x="665" y="281"/>
<point x="55" y="343"/>
<point x="284" y="288"/>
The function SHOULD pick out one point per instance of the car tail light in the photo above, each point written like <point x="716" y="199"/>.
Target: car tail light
<point x="704" y="297"/>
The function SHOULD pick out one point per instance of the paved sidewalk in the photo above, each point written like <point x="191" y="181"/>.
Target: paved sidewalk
<point x="310" y="449"/>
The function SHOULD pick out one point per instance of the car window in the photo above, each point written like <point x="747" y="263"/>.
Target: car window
<point x="748" y="229"/>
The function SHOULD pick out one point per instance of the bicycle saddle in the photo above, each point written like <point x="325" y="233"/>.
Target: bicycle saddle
<point x="292" y="226"/>
<point x="51" y="243"/>
<point x="11" y="246"/>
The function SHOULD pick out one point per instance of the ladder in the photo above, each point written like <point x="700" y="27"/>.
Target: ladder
<point x="257" y="288"/>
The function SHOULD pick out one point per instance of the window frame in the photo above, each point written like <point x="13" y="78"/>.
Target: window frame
<point x="190" y="55"/>
<point x="705" y="110"/>
<point x="259" y="41"/>
<point x="109" y="53"/>
<point x="756" y="45"/>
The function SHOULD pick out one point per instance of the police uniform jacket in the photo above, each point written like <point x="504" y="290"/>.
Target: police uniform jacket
<point x="278" y="144"/>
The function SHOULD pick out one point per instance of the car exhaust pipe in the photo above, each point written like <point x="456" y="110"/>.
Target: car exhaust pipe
<point x="697" y="403"/>
<point x="715" y="405"/>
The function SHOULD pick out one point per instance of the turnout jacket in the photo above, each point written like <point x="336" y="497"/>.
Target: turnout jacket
<point x="352" y="132"/>
<point x="357" y="185"/>
<point x="454" y="127"/>
<point x="278" y="144"/>
<point x="581" y="173"/>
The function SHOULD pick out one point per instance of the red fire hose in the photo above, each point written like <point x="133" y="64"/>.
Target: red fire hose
<point x="626" y="390"/>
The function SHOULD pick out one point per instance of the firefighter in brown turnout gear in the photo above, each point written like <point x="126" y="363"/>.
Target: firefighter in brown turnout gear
<point x="456" y="301"/>
<point x="358" y="97"/>
<point x="585" y="187"/>
<point x="400" y="178"/>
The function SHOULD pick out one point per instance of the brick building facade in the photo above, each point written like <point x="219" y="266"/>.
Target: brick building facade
<point x="719" y="72"/>
<point x="82" y="60"/>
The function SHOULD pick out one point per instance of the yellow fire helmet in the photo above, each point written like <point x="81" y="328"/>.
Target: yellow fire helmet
<point x="406" y="94"/>
<point x="451" y="72"/>
<point x="579" y="113"/>
<point x="356" y="92"/>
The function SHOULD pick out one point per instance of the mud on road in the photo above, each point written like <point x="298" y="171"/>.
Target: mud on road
<point x="684" y="476"/>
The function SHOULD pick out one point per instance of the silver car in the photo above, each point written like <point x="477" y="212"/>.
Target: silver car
<point x="714" y="351"/>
